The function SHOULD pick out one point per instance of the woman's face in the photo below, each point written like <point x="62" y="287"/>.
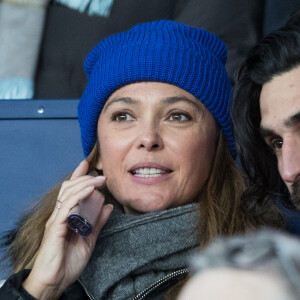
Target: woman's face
<point x="157" y="143"/>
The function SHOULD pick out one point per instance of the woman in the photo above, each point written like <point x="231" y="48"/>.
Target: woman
<point x="155" y="125"/>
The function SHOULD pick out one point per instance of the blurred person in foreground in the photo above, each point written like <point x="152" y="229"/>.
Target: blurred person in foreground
<point x="264" y="265"/>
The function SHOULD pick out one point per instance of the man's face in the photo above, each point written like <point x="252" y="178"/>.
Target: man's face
<point x="280" y="126"/>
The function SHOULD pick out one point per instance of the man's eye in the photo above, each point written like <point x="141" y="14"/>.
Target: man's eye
<point x="122" y="117"/>
<point x="179" y="117"/>
<point x="276" y="143"/>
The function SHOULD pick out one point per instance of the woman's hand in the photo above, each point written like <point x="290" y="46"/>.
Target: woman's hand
<point x="63" y="254"/>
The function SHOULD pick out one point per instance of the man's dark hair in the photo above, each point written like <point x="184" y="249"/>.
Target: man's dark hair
<point x="277" y="53"/>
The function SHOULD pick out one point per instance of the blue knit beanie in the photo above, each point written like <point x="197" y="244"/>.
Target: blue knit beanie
<point x="164" y="51"/>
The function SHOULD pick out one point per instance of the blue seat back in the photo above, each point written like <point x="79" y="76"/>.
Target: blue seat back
<point x="39" y="145"/>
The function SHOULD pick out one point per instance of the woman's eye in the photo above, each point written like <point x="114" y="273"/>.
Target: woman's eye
<point x="180" y="117"/>
<point x="122" y="117"/>
<point x="276" y="144"/>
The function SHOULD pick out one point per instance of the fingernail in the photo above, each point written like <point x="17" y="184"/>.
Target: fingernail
<point x="109" y="206"/>
<point x="89" y="188"/>
<point x="101" y="177"/>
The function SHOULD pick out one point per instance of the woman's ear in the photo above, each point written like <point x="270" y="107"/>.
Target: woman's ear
<point x="98" y="167"/>
<point x="99" y="164"/>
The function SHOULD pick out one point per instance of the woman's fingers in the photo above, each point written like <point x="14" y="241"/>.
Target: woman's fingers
<point x="79" y="184"/>
<point x="73" y="191"/>
<point x="80" y="171"/>
<point x="79" y="187"/>
<point x="64" y="207"/>
<point x="67" y="205"/>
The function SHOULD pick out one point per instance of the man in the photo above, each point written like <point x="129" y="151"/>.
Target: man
<point x="266" y="118"/>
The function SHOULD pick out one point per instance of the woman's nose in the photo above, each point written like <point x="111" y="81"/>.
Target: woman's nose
<point x="150" y="138"/>
<point x="290" y="160"/>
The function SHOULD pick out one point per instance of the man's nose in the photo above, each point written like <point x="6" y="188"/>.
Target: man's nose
<point x="150" y="137"/>
<point x="290" y="160"/>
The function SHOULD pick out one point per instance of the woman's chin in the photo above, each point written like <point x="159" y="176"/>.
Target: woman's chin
<point x="143" y="208"/>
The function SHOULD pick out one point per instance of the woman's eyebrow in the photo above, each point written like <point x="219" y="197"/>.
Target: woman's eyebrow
<point x="168" y="101"/>
<point x="172" y="100"/>
<point x="126" y="100"/>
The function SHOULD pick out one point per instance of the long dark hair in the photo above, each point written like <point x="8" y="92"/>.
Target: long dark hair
<point x="276" y="54"/>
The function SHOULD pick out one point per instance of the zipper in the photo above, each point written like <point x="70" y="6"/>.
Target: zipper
<point x="158" y="283"/>
<point x="149" y="289"/>
<point x="86" y="290"/>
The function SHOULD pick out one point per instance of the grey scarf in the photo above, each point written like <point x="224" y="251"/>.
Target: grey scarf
<point x="132" y="252"/>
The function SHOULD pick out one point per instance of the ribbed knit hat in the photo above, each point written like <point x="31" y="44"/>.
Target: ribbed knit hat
<point x="164" y="51"/>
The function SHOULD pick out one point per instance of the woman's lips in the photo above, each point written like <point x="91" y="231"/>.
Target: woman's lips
<point x="149" y="173"/>
<point x="150" y="180"/>
<point x="149" y="165"/>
